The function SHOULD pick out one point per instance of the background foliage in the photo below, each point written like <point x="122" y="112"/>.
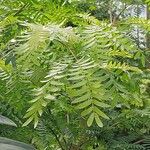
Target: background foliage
<point x="74" y="75"/>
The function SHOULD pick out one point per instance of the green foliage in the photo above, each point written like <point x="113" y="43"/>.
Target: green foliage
<point x="76" y="71"/>
<point x="142" y="23"/>
<point x="82" y="82"/>
<point x="147" y="2"/>
<point x="8" y="143"/>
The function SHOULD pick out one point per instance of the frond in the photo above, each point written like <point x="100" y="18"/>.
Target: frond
<point x="140" y="22"/>
<point x="86" y="78"/>
<point x="105" y="38"/>
<point x="89" y="19"/>
<point x="117" y="65"/>
<point x="45" y="94"/>
<point x="146" y="143"/>
<point x="35" y="42"/>
<point x="87" y="92"/>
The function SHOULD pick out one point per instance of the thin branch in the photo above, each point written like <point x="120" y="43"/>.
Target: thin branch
<point x="21" y="9"/>
<point x="55" y="124"/>
<point x="138" y="142"/>
<point x="69" y="50"/>
<point x="121" y="12"/>
<point x="110" y="12"/>
<point x="57" y="139"/>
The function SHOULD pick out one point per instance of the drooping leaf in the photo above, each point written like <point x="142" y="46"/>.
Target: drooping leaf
<point x="6" y="121"/>
<point x="90" y="120"/>
<point x="7" y="144"/>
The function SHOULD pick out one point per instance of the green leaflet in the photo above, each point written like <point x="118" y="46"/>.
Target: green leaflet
<point x="87" y="111"/>
<point x="74" y="73"/>
<point x="109" y="83"/>
<point x="28" y="121"/>
<point x="100" y="113"/>
<point x="99" y="95"/>
<point x="100" y="104"/>
<point x="83" y="61"/>
<point x="96" y="85"/>
<point x="56" y="83"/>
<point x="84" y="104"/>
<point x="143" y="60"/>
<point x="49" y="97"/>
<point x="77" y="78"/>
<point x="77" y="93"/>
<point x="104" y="78"/>
<point x="36" y="120"/>
<point x="87" y="64"/>
<point x="90" y="120"/>
<point x="79" y="84"/>
<point x="54" y="89"/>
<point x="98" y="121"/>
<point x="88" y="67"/>
<point x="28" y="114"/>
<point x="82" y="98"/>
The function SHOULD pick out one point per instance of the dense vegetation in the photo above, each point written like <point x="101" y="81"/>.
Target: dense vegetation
<point x="74" y="74"/>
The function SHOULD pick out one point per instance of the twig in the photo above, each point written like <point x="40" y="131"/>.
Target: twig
<point x="57" y="139"/>
<point x="55" y="124"/>
<point x="122" y="11"/>
<point x="69" y="50"/>
<point x="21" y="9"/>
<point x="110" y="12"/>
<point x="137" y="142"/>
